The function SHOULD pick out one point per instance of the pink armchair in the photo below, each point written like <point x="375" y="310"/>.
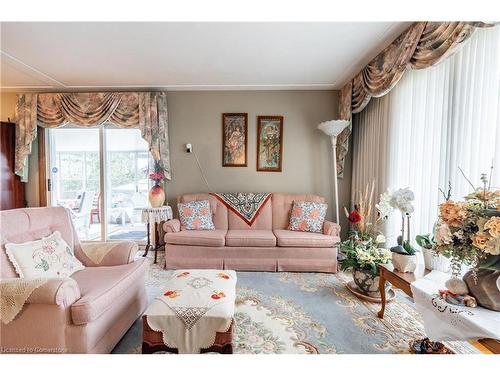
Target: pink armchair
<point x="88" y="312"/>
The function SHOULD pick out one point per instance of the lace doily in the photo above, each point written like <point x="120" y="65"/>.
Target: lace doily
<point x="156" y="215"/>
<point x="194" y="306"/>
<point x="96" y="251"/>
<point x="13" y="295"/>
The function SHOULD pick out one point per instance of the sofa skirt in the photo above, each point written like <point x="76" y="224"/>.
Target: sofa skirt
<point x="267" y="259"/>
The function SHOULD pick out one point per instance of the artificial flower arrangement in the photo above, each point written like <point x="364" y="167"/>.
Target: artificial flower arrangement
<point x="364" y="255"/>
<point x="361" y="217"/>
<point x="157" y="175"/>
<point x="400" y="200"/>
<point x="469" y="231"/>
<point x="363" y="250"/>
<point x="157" y="193"/>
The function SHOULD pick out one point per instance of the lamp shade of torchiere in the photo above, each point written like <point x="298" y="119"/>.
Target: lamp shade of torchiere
<point x="333" y="128"/>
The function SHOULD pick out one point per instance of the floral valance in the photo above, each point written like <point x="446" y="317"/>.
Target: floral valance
<point x="422" y="45"/>
<point x="144" y="110"/>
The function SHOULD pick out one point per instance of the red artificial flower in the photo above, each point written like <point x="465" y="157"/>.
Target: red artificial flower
<point x="354" y="217"/>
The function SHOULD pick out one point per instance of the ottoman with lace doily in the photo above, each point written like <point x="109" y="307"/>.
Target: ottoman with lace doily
<point x="194" y="314"/>
<point x="153" y="341"/>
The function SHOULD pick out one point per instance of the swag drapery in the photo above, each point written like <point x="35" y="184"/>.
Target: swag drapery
<point x="146" y="111"/>
<point x="422" y="45"/>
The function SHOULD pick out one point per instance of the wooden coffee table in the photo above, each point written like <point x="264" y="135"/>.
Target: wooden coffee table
<point x="402" y="280"/>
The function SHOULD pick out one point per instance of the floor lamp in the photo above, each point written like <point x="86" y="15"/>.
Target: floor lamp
<point x="333" y="128"/>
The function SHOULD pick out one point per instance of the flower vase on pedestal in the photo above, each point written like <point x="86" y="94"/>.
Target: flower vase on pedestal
<point x="156" y="196"/>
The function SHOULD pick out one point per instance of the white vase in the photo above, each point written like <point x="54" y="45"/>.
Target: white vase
<point x="435" y="261"/>
<point x="404" y="263"/>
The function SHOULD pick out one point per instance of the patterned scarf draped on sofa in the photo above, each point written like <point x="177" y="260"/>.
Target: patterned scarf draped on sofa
<point x="421" y="46"/>
<point x="144" y="110"/>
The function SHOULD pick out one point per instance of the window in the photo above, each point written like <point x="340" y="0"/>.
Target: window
<point x="434" y="121"/>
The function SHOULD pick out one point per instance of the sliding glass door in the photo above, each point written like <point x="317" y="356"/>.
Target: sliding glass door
<point x="100" y="174"/>
<point x="126" y="173"/>
<point x="75" y="177"/>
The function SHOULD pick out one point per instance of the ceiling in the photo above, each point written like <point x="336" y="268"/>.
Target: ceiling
<point x="59" y="56"/>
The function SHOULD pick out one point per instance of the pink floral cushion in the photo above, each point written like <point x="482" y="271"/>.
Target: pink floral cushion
<point x="196" y="215"/>
<point x="308" y="217"/>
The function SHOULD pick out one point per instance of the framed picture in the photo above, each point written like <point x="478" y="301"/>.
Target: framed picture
<point x="269" y="143"/>
<point x="234" y="139"/>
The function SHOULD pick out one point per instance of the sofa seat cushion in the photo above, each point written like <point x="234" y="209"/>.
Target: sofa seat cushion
<point x="101" y="288"/>
<point x="214" y="238"/>
<point x="250" y="237"/>
<point x="288" y="238"/>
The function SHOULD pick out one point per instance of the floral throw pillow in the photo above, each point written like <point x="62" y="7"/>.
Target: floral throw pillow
<point x="196" y="215"/>
<point x="48" y="257"/>
<point x="308" y="217"/>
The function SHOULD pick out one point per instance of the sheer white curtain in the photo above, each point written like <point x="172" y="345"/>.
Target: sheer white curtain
<point x="434" y="121"/>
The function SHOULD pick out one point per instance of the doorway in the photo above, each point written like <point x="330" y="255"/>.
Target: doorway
<point x="101" y="175"/>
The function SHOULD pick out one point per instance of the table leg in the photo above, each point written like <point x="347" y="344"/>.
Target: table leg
<point x="382" y="294"/>
<point x="148" y="245"/>
<point x="157" y="238"/>
<point x="491" y="344"/>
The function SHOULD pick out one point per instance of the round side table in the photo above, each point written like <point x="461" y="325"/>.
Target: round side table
<point x="155" y="216"/>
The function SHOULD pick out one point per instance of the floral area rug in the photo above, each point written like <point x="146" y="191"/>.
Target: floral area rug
<point x="306" y="313"/>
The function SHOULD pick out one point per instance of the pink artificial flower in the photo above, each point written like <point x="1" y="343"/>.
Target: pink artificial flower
<point x="156" y="176"/>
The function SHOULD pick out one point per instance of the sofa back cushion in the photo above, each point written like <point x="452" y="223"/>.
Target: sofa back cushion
<point x="219" y="211"/>
<point x="263" y="221"/>
<point x="282" y="207"/>
<point x="196" y="215"/>
<point x="29" y="224"/>
<point x="307" y="216"/>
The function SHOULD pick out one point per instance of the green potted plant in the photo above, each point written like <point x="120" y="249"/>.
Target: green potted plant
<point x="404" y="256"/>
<point x="363" y="250"/>
<point x="432" y="260"/>
<point x="363" y="257"/>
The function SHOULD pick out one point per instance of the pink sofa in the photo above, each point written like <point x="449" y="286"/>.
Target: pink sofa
<point x="86" y="313"/>
<point x="266" y="245"/>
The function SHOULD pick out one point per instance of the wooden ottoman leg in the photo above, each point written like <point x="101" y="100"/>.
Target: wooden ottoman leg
<point x="146" y="349"/>
<point x="228" y="349"/>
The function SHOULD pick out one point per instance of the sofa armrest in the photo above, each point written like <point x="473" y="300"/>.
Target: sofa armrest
<point x="114" y="253"/>
<point x="331" y="229"/>
<point x="172" y="226"/>
<point x="62" y="292"/>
